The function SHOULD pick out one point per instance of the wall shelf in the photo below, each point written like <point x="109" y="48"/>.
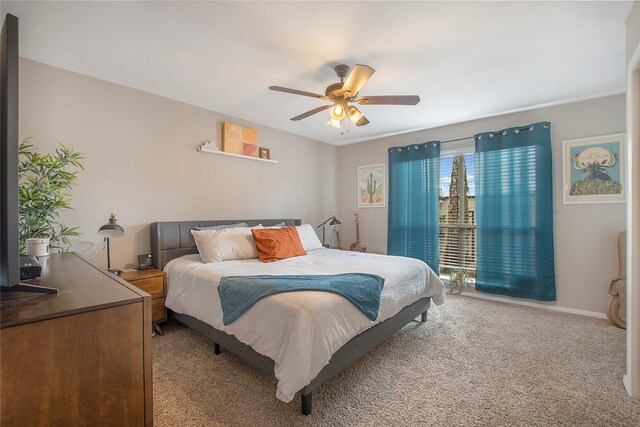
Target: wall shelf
<point x="240" y="156"/>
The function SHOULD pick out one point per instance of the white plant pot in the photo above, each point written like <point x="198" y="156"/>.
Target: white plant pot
<point x="37" y="247"/>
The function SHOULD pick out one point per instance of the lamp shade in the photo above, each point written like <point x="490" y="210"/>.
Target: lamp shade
<point x="354" y="114"/>
<point x="111" y="230"/>
<point x="334" y="221"/>
<point x="333" y="122"/>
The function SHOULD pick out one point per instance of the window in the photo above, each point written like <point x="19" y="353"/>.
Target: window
<point x="457" y="237"/>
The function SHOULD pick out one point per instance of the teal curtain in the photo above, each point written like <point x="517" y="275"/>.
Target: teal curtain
<point x="514" y="212"/>
<point x="414" y="174"/>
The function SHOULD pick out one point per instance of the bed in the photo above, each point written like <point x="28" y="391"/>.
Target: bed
<point x="302" y="338"/>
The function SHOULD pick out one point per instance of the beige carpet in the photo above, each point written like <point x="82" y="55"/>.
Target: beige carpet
<point x="474" y="363"/>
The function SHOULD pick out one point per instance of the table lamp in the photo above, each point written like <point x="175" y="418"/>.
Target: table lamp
<point x="334" y="221"/>
<point x="109" y="231"/>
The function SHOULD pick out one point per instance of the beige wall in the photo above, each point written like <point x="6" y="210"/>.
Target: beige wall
<point x="585" y="235"/>
<point x="141" y="161"/>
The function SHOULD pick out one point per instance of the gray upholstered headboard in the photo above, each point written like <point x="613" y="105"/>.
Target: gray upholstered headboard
<point x="173" y="239"/>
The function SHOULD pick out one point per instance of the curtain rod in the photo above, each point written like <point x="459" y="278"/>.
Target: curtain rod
<point x="457" y="139"/>
<point x="503" y="131"/>
<point x="530" y="127"/>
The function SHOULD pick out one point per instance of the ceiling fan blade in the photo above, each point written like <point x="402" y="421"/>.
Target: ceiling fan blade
<point x="357" y="78"/>
<point x="311" y="112"/>
<point x="389" y="100"/>
<point x="298" y="92"/>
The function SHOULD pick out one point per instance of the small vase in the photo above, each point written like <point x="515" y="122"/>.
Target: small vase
<point x="37" y="247"/>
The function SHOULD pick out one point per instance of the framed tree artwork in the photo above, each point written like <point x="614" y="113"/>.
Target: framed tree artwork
<point x="594" y="170"/>
<point x="371" y="186"/>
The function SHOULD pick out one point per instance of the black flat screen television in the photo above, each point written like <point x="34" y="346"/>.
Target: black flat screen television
<point x="9" y="121"/>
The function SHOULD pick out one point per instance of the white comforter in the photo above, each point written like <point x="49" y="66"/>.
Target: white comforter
<point x="300" y="331"/>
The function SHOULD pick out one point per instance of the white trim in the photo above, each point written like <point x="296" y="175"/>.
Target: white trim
<point x="474" y="294"/>
<point x="632" y="376"/>
<point x="625" y="382"/>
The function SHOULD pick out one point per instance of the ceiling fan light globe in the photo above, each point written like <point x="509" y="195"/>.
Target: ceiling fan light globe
<point x="337" y="113"/>
<point x="333" y="122"/>
<point x="362" y="122"/>
<point x="354" y="114"/>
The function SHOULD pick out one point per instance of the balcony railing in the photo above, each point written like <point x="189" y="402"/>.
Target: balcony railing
<point x="457" y="247"/>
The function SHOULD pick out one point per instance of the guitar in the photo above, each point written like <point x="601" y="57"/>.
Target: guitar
<point x="356" y="245"/>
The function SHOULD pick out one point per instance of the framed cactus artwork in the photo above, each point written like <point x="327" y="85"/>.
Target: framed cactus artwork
<point x="594" y="170"/>
<point x="371" y="186"/>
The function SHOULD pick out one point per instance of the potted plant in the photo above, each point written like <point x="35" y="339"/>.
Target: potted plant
<point x="42" y="194"/>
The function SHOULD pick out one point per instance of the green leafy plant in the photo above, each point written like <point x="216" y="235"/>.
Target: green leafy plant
<point x="44" y="180"/>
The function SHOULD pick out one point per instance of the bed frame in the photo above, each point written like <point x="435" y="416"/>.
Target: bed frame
<point x="170" y="240"/>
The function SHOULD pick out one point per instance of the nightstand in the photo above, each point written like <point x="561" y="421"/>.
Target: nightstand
<point x="153" y="282"/>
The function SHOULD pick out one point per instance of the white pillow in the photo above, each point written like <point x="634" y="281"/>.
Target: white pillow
<point x="308" y="237"/>
<point x="225" y="245"/>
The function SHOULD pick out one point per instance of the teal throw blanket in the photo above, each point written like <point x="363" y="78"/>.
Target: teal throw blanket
<point x="239" y="293"/>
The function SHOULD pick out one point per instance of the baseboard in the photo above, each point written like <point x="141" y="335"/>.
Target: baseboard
<point x="625" y="381"/>
<point x="472" y="293"/>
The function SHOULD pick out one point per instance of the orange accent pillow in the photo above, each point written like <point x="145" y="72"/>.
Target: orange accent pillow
<point x="275" y="244"/>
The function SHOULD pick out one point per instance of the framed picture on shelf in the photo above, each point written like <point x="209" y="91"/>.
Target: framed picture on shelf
<point x="371" y="186"/>
<point x="238" y="139"/>
<point x="594" y="170"/>
<point x="264" y="153"/>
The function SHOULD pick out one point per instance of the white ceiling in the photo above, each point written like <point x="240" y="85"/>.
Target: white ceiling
<point x="464" y="59"/>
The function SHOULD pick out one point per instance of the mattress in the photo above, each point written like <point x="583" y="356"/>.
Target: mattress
<point x="300" y="331"/>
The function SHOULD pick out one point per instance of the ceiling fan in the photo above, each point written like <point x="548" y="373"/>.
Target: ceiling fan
<point x="345" y="92"/>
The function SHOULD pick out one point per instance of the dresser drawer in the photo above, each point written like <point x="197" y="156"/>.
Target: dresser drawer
<point x="154" y="286"/>
<point x="158" y="310"/>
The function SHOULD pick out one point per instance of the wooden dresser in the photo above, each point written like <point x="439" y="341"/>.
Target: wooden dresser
<point x="82" y="357"/>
